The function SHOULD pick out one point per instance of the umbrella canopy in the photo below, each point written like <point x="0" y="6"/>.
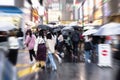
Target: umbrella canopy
<point x="88" y="27"/>
<point x="68" y="28"/>
<point x="77" y="27"/>
<point x="52" y="23"/>
<point x="90" y="31"/>
<point x="109" y="29"/>
<point x="44" y="27"/>
<point x="6" y="26"/>
<point x="58" y="28"/>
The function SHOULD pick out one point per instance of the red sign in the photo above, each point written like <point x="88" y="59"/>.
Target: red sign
<point x="104" y="52"/>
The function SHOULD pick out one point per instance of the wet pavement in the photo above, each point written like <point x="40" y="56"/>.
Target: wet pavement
<point x="68" y="71"/>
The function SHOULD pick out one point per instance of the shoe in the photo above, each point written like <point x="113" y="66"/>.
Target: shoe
<point x="31" y="62"/>
<point x="60" y="61"/>
<point x="89" y="61"/>
<point x="62" y="55"/>
<point x="54" y="69"/>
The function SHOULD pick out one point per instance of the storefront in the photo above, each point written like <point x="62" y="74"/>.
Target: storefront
<point x="12" y="14"/>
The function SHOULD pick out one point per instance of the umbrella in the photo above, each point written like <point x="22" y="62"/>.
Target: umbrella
<point x="53" y="23"/>
<point x="68" y="28"/>
<point x="6" y="26"/>
<point x="44" y="27"/>
<point x="58" y="28"/>
<point x="77" y="27"/>
<point x="90" y="31"/>
<point x="87" y="27"/>
<point x="109" y="29"/>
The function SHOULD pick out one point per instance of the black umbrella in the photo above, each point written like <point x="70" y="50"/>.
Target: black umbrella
<point x="58" y="28"/>
<point x="52" y="23"/>
<point x="77" y="27"/>
<point x="44" y="27"/>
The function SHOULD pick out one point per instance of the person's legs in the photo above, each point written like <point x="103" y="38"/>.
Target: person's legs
<point x="33" y="53"/>
<point x="13" y="56"/>
<point x="52" y="62"/>
<point x="87" y="56"/>
<point x="30" y="53"/>
<point x="75" y="48"/>
<point x="58" y="57"/>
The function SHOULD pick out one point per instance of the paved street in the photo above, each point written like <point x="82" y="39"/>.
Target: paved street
<point x="65" y="71"/>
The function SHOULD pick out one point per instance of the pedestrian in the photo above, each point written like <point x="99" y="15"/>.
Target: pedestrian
<point x="59" y="46"/>
<point x="40" y="49"/>
<point x="75" y="38"/>
<point x="88" y="47"/>
<point x="13" y="48"/>
<point x="30" y="43"/>
<point x="116" y="58"/>
<point x="50" y="44"/>
<point x="20" y="36"/>
<point x="68" y="47"/>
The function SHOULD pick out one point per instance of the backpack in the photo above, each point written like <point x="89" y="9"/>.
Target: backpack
<point x="75" y="37"/>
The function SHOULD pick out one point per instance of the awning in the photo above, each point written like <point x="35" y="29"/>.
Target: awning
<point x="10" y="9"/>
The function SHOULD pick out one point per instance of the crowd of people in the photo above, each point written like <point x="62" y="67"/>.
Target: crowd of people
<point x="44" y="45"/>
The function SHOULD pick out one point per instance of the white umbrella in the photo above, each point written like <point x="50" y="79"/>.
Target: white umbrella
<point x="88" y="27"/>
<point x="90" y="31"/>
<point x="109" y="29"/>
<point x="6" y="26"/>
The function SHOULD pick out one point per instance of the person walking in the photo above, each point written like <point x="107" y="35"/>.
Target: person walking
<point x="116" y="58"/>
<point x="40" y="49"/>
<point x="59" y="46"/>
<point x="13" y="48"/>
<point x="50" y="44"/>
<point x="30" y="43"/>
<point x="75" y="38"/>
<point x="88" y="47"/>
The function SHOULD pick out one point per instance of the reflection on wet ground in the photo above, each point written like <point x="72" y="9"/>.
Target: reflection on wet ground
<point x="77" y="71"/>
<point x="72" y="71"/>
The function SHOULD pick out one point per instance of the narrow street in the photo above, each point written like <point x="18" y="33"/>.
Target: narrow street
<point x="65" y="71"/>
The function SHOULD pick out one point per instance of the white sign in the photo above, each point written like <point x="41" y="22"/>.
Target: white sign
<point x="104" y="55"/>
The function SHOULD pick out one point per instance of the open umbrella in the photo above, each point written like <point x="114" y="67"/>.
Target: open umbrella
<point x="68" y="28"/>
<point x="109" y="29"/>
<point x="90" y="31"/>
<point x="77" y="27"/>
<point x="6" y="26"/>
<point x="58" y="28"/>
<point x="52" y="23"/>
<point x="44" y="27"/>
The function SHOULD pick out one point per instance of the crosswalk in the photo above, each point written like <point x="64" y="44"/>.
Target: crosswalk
<point x="28" y="68"/>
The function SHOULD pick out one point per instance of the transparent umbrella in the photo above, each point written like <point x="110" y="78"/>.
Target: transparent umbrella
<point x="109" y="29"/>
<point x="90" y="31"/>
